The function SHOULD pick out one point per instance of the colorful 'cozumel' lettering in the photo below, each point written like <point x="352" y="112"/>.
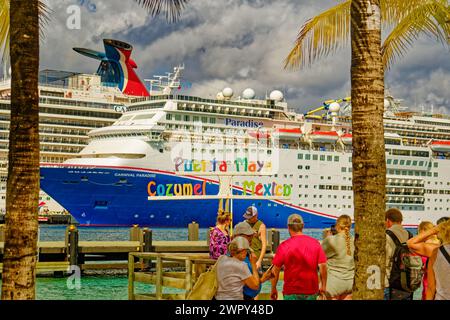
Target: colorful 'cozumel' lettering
<point x="179" y="189"/>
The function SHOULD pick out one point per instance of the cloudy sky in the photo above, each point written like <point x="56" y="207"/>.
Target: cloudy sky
<point x="237" y="43"/>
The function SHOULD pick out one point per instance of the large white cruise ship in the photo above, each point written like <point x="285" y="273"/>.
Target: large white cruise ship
<point x="70" y="105"/>
<point x="174" y="145"/>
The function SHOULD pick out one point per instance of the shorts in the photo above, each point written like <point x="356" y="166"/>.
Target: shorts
<point x="337" y="287"/>
<point x="300" y="296"/>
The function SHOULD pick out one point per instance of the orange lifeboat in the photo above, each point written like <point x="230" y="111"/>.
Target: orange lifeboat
<point x="324" y="136"/>
<point x="283" y="133"/>
<point x="440" y="146"/>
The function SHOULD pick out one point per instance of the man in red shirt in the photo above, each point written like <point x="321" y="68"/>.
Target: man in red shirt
<point x="301" y="257"/>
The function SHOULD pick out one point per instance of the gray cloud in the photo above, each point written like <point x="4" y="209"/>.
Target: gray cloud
<point x="238" y="44"/>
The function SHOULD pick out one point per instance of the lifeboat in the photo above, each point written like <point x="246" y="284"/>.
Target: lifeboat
<point x="346" y="138"/>
<point x="440" y="146"/>
<point x="324" y="136"/>
<point x="42" y="219"/>
<point x="283" y="133"/>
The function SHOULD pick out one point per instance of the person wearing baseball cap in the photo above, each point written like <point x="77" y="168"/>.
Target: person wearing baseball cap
<point x="233" y="273"/>
<point x="259" y="241"/>
<point x="243" y="229"/>
<point x="301" y="256"/>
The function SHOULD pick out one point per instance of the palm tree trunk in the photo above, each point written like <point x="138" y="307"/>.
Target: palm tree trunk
<point x="20" y="252"/>
<point x="369" y="167"/>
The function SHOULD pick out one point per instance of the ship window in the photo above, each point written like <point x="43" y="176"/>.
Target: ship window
<point x="336" y="158"/>
<point x="435" y="164"/>
<point x="402" y="162"/>
<point x="212" y="120"/>
<point x="395" y="161"/>
<point x="315" y="157"/>
<point x="414" y="163"/>
<point x="168" y="116"/>
<point x="343" y="169"/>
<point x="187" y="118"/>
<point x="329" y="158"/>
<point x="300" y="156"/>
<point x="178" y="117"/>
<point x="408" y="162"/>
<point x="435" y="174"/>
<point x="307" y="157"/>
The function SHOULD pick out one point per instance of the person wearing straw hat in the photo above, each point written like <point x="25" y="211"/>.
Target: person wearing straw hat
<point x="259" y="241"/>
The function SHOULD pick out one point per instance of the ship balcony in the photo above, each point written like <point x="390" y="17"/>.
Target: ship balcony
<point x="62" y="143"/>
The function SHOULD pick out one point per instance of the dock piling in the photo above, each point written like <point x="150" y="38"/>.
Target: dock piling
<point x="135" y="233"/>
<point x="147" y="236"/>
<point x="275" y="239"/>
<point x="193" y="231"/>
<point x="72" y="245"/>
<point x="2" y="233"/>
<point x="208" y="235"/>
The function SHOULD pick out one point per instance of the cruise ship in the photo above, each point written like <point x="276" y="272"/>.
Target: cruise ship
<point x="168" y="147"/>
<point x="70" y="105"/>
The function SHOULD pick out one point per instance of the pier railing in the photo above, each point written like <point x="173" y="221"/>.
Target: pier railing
<point x="180" y="282"/>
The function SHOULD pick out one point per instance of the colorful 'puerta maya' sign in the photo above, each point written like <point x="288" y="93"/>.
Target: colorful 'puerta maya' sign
<point x="249" y="187"/>
<point x="238" y="165"/>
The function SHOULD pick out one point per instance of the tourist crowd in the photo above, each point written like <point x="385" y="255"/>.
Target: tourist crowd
<point x="325" y="269"/>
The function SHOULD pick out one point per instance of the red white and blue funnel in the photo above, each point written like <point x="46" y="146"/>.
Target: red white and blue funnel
<point x="116" y="67"/>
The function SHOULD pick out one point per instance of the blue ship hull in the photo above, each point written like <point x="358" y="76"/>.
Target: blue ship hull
<point x="118" y="196"/>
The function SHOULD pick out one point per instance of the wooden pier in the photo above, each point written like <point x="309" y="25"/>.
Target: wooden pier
<point x="58" y="256"/>
<point x="162" y="278"/>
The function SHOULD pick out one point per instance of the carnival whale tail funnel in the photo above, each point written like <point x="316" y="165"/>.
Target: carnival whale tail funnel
<point x="116" y="67"/>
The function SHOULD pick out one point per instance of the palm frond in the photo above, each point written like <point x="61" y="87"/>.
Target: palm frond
<point x="393" y="11"/>
<point x="172" y="8"/>
<point x="320" y="36"/>
<point x="429" y="19"/>
<point x="44" y="18"/>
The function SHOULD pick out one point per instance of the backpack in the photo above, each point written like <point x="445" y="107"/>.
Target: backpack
<point x="407" y="267"/>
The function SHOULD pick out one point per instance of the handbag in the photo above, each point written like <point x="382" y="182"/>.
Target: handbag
<point x="206" y="285"/>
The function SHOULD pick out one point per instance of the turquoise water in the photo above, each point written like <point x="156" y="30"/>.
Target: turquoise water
<point x="115" y="287"/>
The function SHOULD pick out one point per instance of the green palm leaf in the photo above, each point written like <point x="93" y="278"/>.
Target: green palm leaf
<point x="172" y="8"/>
<point x="330" y="30"/>
<point x="429" y="18"/>
<point x="320" y="36"/>
<point x="44" y="18"/>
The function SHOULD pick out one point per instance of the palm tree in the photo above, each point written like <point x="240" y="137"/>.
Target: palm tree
<point x="19" y="36"/>
<point x="22" y="191"/>
<point x="323" y="35"/>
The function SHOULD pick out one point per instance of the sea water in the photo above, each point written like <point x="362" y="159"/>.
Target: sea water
<point x="115" y="286"/>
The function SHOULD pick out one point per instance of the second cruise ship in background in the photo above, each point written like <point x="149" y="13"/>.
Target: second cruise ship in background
<point x="172" y="145"/>
<point x="70" y="105"/>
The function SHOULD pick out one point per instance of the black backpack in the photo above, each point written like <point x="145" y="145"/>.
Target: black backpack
<point x="407" y="267"/>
